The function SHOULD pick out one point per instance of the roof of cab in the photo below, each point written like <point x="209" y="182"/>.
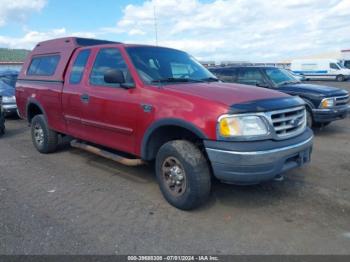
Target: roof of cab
<point x="68" y="43"/>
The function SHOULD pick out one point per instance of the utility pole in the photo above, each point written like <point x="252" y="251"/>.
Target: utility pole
<point x="155" y="24"/>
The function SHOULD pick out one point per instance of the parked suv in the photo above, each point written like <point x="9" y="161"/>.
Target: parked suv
<point x="7" y="91"/>
<point x="324" y="104"/>
<point x="136" y="103"/>
<point x="2" y="119"/>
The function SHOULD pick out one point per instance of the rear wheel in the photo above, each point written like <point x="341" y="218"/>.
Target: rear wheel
<point x="340" y="78"/>
<point x="2" y="130"/>
<point x="2" y="124"/>
<point x="44" y="139"/>
<point x="183" y="174"/>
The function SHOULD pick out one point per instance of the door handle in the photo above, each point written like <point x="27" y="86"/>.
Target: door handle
<point x="85" y="98"/>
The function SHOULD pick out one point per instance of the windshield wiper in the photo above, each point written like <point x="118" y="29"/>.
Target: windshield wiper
<point x="210" y="79"/>
<point x="288" y="82"/>
<point x="175" y="80"/>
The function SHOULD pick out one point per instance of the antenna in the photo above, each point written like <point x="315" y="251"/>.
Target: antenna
<point x="155" y="24"/>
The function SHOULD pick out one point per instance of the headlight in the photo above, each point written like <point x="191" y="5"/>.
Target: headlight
<point x="9" y="99"/>
<point x="238" y="126"/>
<point x="327" y="103"/>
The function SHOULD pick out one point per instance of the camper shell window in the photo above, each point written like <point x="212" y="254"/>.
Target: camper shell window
<point x="43" y="65"/>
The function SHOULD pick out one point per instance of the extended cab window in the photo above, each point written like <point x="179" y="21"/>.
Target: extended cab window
<point x="43" y="65"/>
<point x="250" y="76"/>
<point x="107" y="59"/>
<point x="78" y="67"/>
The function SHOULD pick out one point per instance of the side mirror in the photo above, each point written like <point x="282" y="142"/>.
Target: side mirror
<point x="114" y="76"/>
<point x="262" y="84"/>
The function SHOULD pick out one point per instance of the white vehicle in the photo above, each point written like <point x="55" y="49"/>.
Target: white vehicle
<point x="346" y="58"/>
<point x="330" y="69"/>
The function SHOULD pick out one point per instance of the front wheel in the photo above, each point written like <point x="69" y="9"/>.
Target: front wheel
<point x="340" y="78"/>
<point x="183" y="174"/>
<point x="44" y="139"/>
<point x="309" y="119"/>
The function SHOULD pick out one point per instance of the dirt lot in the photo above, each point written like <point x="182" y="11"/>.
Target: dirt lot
<point x="73" y="202"/>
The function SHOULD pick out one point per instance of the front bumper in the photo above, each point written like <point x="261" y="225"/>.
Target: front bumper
<point x="331" y="114"/>
<point x="253" y="162"/>
<point x="9" y="109"/>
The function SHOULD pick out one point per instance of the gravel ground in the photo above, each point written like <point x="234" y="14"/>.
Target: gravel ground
<point x="73" y="202"/>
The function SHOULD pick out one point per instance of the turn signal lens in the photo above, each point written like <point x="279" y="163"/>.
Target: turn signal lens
<point x="327" y="103"/>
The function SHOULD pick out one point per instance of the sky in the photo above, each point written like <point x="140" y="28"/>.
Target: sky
<point x="240" y="30"/>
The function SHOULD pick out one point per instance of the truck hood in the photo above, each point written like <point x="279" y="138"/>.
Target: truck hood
<point x="226" y="93"/>
<point x="312" y="89"/>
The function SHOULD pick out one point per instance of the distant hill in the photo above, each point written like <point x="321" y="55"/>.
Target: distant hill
<point x="13" y="55"/>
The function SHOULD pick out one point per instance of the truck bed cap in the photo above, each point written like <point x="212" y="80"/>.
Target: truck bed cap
<point x="64" y="47"/>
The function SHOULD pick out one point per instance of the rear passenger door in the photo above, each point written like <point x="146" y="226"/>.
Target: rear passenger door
<point x="72" y="94"/>
<point x="110" y="111"/>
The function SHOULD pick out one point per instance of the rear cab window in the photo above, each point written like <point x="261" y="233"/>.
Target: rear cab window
<point x="44" y="65"/>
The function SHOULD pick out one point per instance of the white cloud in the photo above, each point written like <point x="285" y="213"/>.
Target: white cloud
<point x="18" y="10"/>
<point x="241" y="30"/>
<point x="31" y="38"/>
<point x="255" y="30"/>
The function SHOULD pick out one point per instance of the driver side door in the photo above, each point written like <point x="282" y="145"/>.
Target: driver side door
<point x="110" y="110"/>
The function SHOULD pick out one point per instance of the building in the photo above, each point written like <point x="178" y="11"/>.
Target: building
<point x="10" y="65"/>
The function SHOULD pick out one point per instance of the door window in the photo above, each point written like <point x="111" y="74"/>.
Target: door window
<point x="334" y="66"/>
<point x="227" y="75"/>
<point x="79" y="66"/>
<point x="107" y="59"/>
<point x="250" y="76"/>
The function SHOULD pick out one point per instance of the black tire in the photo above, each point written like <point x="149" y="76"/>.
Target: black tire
<point x="309" y="118"/>
<point x="340" y="78"/>
<point x="44" y="139"/>
<point x="2" y="124"/>
<point x="320" y="125"/>
<point x="196" y="182"/>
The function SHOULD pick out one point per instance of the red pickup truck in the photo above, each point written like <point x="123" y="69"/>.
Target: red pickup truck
<point x="137" y="103"/>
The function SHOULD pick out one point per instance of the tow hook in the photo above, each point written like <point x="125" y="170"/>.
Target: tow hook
<point x="279" y="178"/>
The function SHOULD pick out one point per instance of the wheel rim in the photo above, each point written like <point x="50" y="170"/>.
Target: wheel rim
<point x="174" y="176"/>
<point x="38" y="135"/>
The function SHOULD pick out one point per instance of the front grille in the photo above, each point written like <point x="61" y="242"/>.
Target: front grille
<point x="341" y="100"/>
<point x="288" y="122"/>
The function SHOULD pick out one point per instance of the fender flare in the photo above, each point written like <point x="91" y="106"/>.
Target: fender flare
<point x="308" y="103"/>
<point x="33" y="101"/>
<point x="168" y="122"/>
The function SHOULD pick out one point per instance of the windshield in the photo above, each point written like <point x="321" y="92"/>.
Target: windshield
<point x="280" y="76"/>
<point x="9" y="80"/>
<point x="340" y="66"/>
<point x="163" y="65"/>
